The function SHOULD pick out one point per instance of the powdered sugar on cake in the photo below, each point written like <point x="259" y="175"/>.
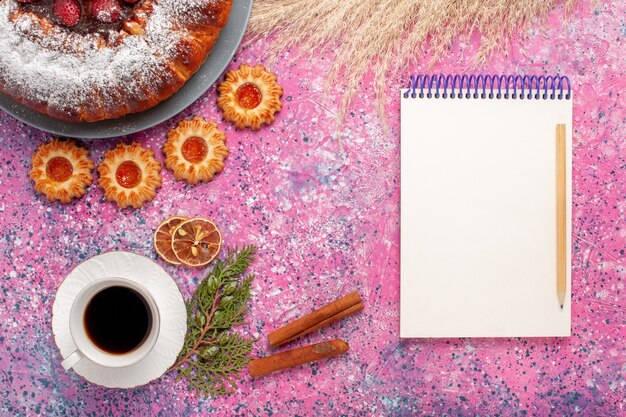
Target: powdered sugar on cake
<point x="62" y="70"/>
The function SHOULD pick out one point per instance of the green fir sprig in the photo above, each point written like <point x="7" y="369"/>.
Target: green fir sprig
<point x="213" y="353"/>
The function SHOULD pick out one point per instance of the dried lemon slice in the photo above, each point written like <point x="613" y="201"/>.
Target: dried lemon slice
<point x="163" y="238"/>
<point x="196" y="242"/>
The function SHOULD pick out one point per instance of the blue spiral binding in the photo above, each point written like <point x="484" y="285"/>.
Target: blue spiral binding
<point x="521" y="87"/>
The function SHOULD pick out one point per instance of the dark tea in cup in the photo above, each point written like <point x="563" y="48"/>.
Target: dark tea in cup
<point x="117" y="320"/>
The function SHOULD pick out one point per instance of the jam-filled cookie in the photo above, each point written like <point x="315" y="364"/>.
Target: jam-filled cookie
<point x="249" y="97"/>
<point x="61" y="170"/>
<point x="195" y="150"/>
<point x="129" y="175"/>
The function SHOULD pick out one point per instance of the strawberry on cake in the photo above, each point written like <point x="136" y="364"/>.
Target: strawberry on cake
<point x="91" y="60"/>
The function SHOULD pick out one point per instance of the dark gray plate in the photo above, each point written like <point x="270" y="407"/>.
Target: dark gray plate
<point x="216" y="63"/>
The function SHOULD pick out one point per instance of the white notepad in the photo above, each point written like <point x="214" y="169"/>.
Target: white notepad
<point x="478" y="209"/>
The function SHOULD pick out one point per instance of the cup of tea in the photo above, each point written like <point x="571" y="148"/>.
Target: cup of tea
<point x="114" y="322"/>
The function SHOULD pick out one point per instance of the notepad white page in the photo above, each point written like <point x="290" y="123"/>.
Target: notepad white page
<point x="478" y="218"/>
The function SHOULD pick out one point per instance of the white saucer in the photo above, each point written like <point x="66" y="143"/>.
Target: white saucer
<point x="166" y="295"/>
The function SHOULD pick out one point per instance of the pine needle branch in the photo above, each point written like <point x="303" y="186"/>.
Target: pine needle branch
<point x="213" y="354"/>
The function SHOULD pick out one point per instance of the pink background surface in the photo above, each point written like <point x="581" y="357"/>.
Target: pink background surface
<point x="324" y="211"/>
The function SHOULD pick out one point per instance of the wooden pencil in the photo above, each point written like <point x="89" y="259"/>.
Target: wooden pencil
<point x="561" y="215"/>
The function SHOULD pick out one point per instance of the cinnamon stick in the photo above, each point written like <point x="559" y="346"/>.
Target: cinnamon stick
<point x="291" y="358"/>
<point x="334" y="311"/>
<point x="351" y="310"/>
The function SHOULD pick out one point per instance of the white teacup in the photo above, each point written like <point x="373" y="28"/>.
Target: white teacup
<point x="87" y="348"/>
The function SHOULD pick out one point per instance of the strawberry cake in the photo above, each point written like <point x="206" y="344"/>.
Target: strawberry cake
<point x="91" y="60"/>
